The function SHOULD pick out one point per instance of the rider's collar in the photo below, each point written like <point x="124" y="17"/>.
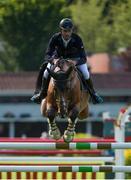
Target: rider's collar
<point x="65" y="41"/>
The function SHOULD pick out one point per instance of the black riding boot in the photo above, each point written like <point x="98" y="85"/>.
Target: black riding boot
<point x="96" y="99"/>
<point x="39" y="81"/>
<point x="37" y="98"/>
<point x="39" y="78"/>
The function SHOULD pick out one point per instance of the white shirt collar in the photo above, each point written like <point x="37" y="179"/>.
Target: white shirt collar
<point x="65" y="41"/>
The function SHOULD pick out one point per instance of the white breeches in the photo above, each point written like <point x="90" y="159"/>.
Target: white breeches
<point x="84" y="69"/>
<point x="46" y="74"/>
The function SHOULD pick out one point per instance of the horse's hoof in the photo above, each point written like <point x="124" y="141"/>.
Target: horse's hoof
<point x="55" y="134"/>
<point x="68" y="136"/>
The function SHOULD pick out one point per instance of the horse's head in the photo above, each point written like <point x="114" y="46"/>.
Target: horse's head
<point x="61" y="73"/>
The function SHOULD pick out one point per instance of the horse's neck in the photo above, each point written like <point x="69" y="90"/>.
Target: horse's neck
<point x="73" y="84"/>
<point x="74" y="80"/>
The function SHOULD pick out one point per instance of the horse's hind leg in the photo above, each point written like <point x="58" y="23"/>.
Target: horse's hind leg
<point x="54" y="131"/>
<point x="70" y="131"/>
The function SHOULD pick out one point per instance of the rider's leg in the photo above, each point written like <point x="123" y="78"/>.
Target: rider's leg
<point x="44" y="87"/>
<point x="39" y="78"/>
<point x="94" y="96"/>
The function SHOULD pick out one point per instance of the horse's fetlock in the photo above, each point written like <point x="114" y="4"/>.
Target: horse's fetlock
<point x="68" y="135"/>
<point x="54" y="132"/>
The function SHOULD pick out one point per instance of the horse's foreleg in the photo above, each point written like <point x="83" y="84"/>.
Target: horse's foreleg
<point x="70" y="131"/>
<point x="54" y="132"/>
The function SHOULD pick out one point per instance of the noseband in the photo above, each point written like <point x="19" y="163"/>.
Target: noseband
<point x="61" y="84"/>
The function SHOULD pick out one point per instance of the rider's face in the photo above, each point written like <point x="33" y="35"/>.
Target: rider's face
<point x="66" y="33"/>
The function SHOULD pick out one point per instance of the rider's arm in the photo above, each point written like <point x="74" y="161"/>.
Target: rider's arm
<point x="50" y="51"/>
<point x="82" y="53"/>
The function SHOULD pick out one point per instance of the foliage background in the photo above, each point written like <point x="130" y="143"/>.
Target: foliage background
<point x="27" y="25"/>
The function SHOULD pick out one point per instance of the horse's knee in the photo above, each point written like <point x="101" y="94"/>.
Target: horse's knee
<point x="73" y="114"/>
<point x="43" y="108"/>
<point x="50" y="113"/>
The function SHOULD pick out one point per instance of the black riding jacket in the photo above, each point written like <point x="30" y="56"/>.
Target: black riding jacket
<point x="74" y="49"/>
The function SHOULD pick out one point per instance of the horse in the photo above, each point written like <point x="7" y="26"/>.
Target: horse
<point x="65" y="99"/>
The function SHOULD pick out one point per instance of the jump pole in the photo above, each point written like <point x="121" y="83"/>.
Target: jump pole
<point x="60" y="146"/>
<point x="56" y="159"/>
<point x="65" y="168"/>
<point x="90" y="140"/>
<point x="48" y="152"/>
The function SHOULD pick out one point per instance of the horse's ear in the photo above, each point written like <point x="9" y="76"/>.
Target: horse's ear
<point x="52" y="74"/>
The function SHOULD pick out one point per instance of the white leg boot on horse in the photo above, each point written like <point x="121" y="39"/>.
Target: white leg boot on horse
<point x="54" y="131"/>
<point x="69" y="132"/>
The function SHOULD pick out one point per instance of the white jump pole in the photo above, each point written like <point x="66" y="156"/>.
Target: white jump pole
<point x="56" y="159"/>
<point x="65" y="168"/>
<point x="120" y="138"/>
<point x="60" y="146"/>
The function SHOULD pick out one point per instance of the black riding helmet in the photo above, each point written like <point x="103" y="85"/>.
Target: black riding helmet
<point x="66" y="23"/>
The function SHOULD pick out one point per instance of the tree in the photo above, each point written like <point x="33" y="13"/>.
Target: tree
<point x="91" y="26"/>
<point x="27" y="25"/>
<point x="121" y="26"/>
<point x="7" y="57"/>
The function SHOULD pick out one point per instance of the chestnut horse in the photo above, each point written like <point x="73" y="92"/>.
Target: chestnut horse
<point x="64" y="98"/>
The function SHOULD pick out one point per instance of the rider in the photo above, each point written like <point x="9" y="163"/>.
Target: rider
<point x="65" y="44"/>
